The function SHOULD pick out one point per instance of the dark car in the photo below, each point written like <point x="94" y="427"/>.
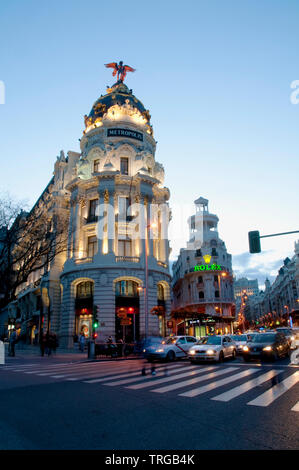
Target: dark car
<point x="266" y="346"/>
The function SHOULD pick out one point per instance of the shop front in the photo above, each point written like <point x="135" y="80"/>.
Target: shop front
<point x="83" y="309"/>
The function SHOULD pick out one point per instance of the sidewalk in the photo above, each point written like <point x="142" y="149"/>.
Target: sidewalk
<point x="27" y="351"/>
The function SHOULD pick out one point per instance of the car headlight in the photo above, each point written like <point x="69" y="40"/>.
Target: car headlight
<point x="267" y="348"/>
<point x="159" y="350"/>
<point x="241" y="346"/>
<point x="144" y="350"/>
<point x="245" y="348"/>
<point x="192" y="352"/>
<point x="210" y="352"/>
<point x="292" y="338"/>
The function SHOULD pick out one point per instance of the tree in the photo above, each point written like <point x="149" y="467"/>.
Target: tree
<point x="29" y="242"/>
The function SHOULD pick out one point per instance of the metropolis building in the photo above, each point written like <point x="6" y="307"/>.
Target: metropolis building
<point x="117" y="245"/>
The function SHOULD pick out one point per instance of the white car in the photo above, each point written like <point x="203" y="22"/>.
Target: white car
<point x="170" y="348"/>
<point x="213" y="348"/>
<point x="241" y="340"/>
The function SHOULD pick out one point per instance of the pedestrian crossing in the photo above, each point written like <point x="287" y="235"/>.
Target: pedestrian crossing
<point x="181" y="379"/>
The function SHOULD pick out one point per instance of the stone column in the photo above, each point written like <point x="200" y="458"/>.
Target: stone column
<point x="67" y="315"/>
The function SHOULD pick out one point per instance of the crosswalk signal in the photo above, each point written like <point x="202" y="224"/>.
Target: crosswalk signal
<point x="254" y="241"/>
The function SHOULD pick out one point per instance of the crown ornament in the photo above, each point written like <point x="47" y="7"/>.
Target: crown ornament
<point x="207" y="258"/>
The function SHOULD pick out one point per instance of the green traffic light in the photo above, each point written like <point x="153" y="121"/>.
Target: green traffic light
<point x="95" y="325"/>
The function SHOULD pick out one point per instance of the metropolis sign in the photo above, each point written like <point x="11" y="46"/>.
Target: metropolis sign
<point x="125" y="133"/>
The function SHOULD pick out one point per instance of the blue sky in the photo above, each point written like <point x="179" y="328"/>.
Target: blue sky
<point x="216" y="78"/>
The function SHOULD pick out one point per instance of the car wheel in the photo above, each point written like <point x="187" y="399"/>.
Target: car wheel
<point x="234" y="354"/>
<point x="275" y="356"/>
<point x="170" y="356"/>
<point x="221" y="356"/>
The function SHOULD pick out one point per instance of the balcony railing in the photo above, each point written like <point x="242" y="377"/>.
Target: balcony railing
<point x="160" y="263"/>
<point x="83" y="260"/>
<point x="128" y="259"/>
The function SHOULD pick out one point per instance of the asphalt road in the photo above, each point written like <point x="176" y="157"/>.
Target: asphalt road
<point x="53" y="403"/>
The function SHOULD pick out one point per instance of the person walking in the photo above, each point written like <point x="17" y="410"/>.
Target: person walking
<point x="12" y="342"/>
<point x="82" y="342"/>
<point x="42" y="344"/>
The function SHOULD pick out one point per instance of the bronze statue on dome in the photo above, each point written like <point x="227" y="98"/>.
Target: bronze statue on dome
<point x="119" y="69"/>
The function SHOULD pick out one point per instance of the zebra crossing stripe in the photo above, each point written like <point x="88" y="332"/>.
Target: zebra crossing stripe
<point x="169" y="379"/>
<point x="105" y="377"/>
<point x="175" y="386"/>
<point x="295" y="407"/>
<point x="140" y="378"/>
<point x="207" y="388"/>
<point x="236" y="391"/>
<point x="275" y="392"/>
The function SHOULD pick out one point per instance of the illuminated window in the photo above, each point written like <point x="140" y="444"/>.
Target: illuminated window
<point x="92" y="246"/>
<point x="84" y="289"/>
<point x="126" y="289"/>
<point x="160" y="292"/>
<point x="124" y="166"/>
<point x="92" y="210"/>
<point x="123" y="205"/>
<point x="96" y="166"/>
<point x="124" y="247"/>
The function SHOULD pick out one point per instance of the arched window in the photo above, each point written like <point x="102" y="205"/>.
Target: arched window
<point x="84" y="290"/>
<point x="160" y="293"/>
<point x="201" y="295"/>
<point x="126" y="288"/>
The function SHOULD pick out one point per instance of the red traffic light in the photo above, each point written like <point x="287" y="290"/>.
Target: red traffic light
<point x="131" y="310"/>
<point x="95" y="335"/>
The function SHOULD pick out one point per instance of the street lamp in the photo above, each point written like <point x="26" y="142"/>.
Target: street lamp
<point x="148" y="226"/>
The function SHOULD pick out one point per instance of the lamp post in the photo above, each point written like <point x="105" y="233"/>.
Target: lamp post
<point x="148" y="226"/>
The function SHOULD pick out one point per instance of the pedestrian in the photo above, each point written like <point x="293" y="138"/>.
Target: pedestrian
<point x="49" y="343"/>
<point x="12" y="342"/>
<point x="43" y="340"/>
<point x="82" y="342"/>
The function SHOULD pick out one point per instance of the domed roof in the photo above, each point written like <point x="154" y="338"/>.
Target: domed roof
<point x="118" y="94"/>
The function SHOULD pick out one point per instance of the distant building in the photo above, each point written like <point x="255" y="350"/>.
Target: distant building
<point x="202" y="286"/>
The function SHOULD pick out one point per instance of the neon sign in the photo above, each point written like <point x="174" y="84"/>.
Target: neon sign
<point x="207" y="267"/>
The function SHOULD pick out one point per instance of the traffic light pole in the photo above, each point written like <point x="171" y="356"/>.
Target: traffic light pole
<point x="254" y="239"/>
<point x="278" y="234"/>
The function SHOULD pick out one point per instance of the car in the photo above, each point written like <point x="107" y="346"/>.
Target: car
<point x="266" y="346"/>
<point x="170" y="348"/>
<point x="289" y="333"/>
<point x="241" y="340"/>
<point x="213" y="348"/>
<point x="295" y="339"/>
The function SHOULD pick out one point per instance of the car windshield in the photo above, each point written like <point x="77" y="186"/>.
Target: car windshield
<point x="239" y="337"/>
<point x="171" y="340"/>
<point x="264" y="338"/>
<point x="210" y="340"/>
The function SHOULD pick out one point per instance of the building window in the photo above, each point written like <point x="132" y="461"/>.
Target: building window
<point x="126" y="289"/>
<point x="200" y="281"/>
<point x="216" y="294"/>
<point x="92" y="210"/>
<point x="123" y="205"/>
<point x="84" y="289"/>
<point x="198" y="253"/>
<point x="92" y="246"/>
<point x="124" y="166"/>
<point x="201" y="295"/>
<point x="214" y="252"/>
<point x="96" y="166"/>
<point x="124" y="247"/>
<point x="160" y="292"/>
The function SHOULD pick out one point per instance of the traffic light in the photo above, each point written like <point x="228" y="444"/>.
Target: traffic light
<point x="131" y="310"/>
<point x="95" y="320"/>
<point x="254" y="241"/>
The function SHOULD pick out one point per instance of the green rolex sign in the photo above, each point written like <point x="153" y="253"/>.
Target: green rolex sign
<point x="207" y="267"/>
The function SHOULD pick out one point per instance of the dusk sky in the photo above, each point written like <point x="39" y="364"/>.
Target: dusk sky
<point x="216" y="77"/>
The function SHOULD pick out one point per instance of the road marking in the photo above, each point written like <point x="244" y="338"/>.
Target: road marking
<point x="124" y="375"/>
<point x="295" y="407"/>
<point x="207" y="388"/>
<point x="236" y="391"/>
<point x="141" y="377"/>
<point x="270" y="395"/>
<point x="175" y="386"/>
<point x="169" y="379"/>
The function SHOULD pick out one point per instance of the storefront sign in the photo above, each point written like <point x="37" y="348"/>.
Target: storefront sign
<point x="125" y="133"/>
<point x="207" y="267"/>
